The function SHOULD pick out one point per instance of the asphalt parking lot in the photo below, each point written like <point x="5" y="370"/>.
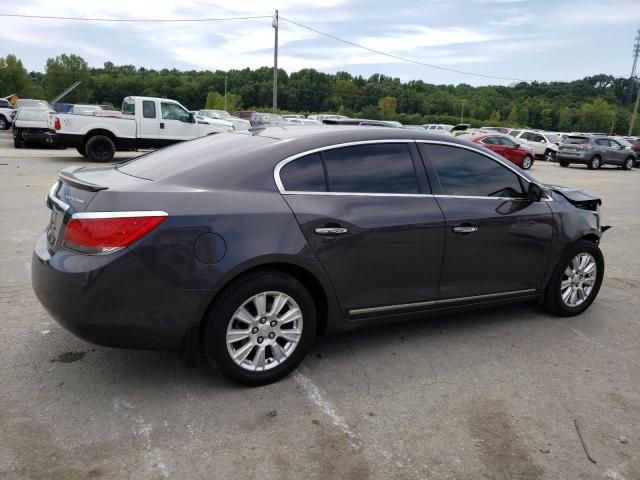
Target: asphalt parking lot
<point x="495" y="394"/>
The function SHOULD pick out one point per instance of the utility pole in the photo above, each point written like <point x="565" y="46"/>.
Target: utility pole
<point x="462" y="111"/>
<point x="274" y="24"/>
<point x="225" y="92"/>
<point x="635" y="112"/>
<point x="632" y="77"/>
<point x="613" y="122"/>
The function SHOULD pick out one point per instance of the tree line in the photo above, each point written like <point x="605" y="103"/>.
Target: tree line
<point x="593" y="103"/>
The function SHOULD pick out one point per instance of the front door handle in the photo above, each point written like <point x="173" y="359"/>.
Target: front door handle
<point x="161" y="124"/>
<point x="465" y="229"/>
<point x="331" y="230"/>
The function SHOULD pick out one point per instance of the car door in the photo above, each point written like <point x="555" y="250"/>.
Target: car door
<point x="618" y="155"/>
<point x="371" y="222"/>
<point x="149" y="124"/>
<point x="176" y="123"/>
<point x="497" y="241"/>
<point x="510" y="149"/>
<point x="604" y="149"/>
<point x="493" y="143"/>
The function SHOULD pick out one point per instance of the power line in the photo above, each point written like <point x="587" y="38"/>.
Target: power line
<point x="397" y="57"/>
<point x="131" y="20"/>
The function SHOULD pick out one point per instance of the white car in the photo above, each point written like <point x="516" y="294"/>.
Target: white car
<point x="237" y="123"/>
<point x="544" y="144"/>
<point x="326" y="116"/>
<point x="438" y="128"/>
<point x="6" y="114"/>
<point x="301" y="121"/>
<point x="145" y="122"/>
<point x="31" y="125"/>
<point x="85" y="109"/>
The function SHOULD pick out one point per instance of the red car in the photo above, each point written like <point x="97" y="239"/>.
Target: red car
<point x="506" y="146"/>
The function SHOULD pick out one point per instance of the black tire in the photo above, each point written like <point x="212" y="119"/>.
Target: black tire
<point x="628" y="163"/>
<point x="4" y="124"/>
<point x="222" y="313"/>
<point x="82" y="151"/>
<point x="553" y="298"/>
<point x="594" y="163"/>
<point x="17" y="139"/>
<point x="527" y="161"/>
<point x="100" y="148"/>
<point x="549" y="156"/>
<point x="564" y="163"/>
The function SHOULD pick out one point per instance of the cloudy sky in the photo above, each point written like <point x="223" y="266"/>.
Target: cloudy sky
<point x="540" y="40"/>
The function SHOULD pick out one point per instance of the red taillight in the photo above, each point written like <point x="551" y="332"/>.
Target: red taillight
<point x="108" y="232"/>
<point x="586" y="146"/>
<point x="56" y="124"/>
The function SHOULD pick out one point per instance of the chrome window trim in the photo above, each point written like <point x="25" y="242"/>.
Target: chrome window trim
<point x="284" y="191"/>
<point x="282" y="163"/>
<point x="131" y="214"/>
<point x="384" y="308"/>
<point x="53" y="201"/>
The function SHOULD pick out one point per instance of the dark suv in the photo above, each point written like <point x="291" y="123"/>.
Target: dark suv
<point x="248" y="244"/>
<point x="595" y="151"/>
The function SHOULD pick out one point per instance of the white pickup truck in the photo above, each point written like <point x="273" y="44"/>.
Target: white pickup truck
<point x="144" y="122"/>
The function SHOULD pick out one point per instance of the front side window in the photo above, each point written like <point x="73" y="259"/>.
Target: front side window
<point x="305" y="174"/>
<point x="507" y="141"/>
<point x="466" y="173"/>
<point x="514" y="133"/>
<point x="378" y="168"/>
<point x="615" y="145"/>
<point x="149" y="109"/>
<point x="171" y="111"/>
<point x="537" y="138"/>
<point x="603" y="142"/>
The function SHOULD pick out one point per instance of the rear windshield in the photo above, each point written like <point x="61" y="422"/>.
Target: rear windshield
<point x="553" y="138"/>
<point x="33" y="115"/>
<point x="192" y="154"/>
<point x="576" y="140"/>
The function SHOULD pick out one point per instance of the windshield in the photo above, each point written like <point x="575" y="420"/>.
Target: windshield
<point x="33" y="115"/>
<point x="269" y="119"/>
<point x="129" y="106"/>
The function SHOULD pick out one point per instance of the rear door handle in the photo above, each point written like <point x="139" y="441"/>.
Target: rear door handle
<point x="331" y="230"/>
<point x="465" y="229"/>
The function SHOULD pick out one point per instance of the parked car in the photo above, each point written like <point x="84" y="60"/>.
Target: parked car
<point x="287" y="117"/>
<point x="361" y="122"/>
<point x="85" y="109"/>
<point x="266" y="120"/>
<point x="326" y="116"/>
<point x="244" y="114"/>
<point x="438" y="128"/>
<point x="504" y="130"/>
<point x="6" y="114"/>
<point x="237" y="123"/>
<point x="595" y="151"/>
<point x="248" y="244"/>
<point x="544" y="144"/>
<point x="31" y="126"/>
<point x="505" y="145"/>
<point x="145" y="122"/>
<point x="635" y="146"/>
<point x="301" y="121"/>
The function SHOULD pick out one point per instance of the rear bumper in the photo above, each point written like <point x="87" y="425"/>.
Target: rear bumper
<point x="571" y="158"/>
<point x="114" y="300"/>
<point x="36" y="135"/>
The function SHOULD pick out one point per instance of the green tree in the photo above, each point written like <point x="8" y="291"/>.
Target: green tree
<point x="595" y="116"/>
<point x="215" y="101"/>
<point x="387" y="107"/>
<point x="14" y="77"/>
<point x="62" y="72"/>
<point x="494" y="119"/>
<point x="565" y="119"/>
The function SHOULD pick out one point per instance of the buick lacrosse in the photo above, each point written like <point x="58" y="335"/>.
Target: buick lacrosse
<point x="244" y="246"/>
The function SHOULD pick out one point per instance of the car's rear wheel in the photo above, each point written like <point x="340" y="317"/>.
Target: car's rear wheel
<point x="628" y="163"/>
<point x="564" y="163"/>
<point x="100" y="148"/>
<point x="594" y="163"/>
<point x="260" y="329"/>
<point x="527" y="161"/>
<point x="549" y="156"/>
<point x="576" y="280"/>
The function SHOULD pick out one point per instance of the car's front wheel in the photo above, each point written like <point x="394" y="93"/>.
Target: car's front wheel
<point x="3" y="123"/>
<point x="628" y="163"/>
<point x="17" y="139"/>
<point x="564" y="163"/>
<point x="527" y="161"/>
<point x="576" y="280"/>
<point x="549" y="156"/>
<point x="260" y="329"/>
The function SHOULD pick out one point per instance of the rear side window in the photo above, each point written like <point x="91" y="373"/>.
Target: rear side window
<point x="305" y="174"/>
<point x="379" y="168"/>
<point x="576" y="140"/>
<point x="466" y="173"/>
<point x="149" y="109"/>
<point x="514" y="133"/>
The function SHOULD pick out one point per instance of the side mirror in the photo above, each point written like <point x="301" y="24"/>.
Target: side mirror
<point x="192" y="118"/>
<point x="543" y="141"/>
<point x="517" y="145"/>
<point x="534" y="194"/>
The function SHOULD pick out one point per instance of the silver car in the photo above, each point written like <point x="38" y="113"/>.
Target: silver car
<point x="595" y="151"/>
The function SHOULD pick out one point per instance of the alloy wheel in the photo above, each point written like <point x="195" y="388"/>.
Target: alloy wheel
<point x="578" y="280"/>
<point x="3" y="124"/>
<point x="549" y="156"/>
<point x="628" y="164"/>
<point x="265" y="331"/>
<point x="526" y="163"/>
